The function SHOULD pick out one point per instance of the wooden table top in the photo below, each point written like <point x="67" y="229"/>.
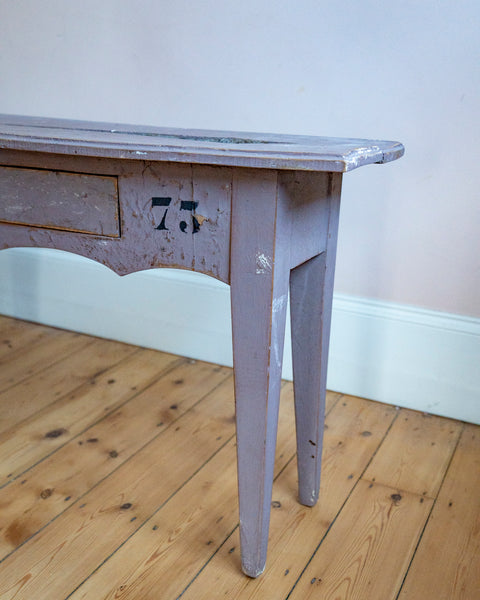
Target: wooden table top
<point x="238" y="149"/>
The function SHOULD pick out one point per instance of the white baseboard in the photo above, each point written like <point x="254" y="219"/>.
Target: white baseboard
<point x="398" y="354"/>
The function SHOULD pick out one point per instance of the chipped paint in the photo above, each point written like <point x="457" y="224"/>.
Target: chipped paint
<point x="276" y="354"/>
<point x="263" y="264"/>
<point x="279" y="303"/>
<point x="200" y="218"/>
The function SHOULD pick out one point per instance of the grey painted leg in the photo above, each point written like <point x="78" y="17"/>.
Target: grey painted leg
<point x="259" y="288"/>
<point x="311" y="290"/>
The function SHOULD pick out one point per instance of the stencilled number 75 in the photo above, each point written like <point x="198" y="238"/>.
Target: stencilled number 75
<point x="184" y="205"/>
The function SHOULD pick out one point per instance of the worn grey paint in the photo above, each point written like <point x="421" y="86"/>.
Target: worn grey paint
<point x="59" y="200"/>
<point x="194" y="146"/>
<point x="259" y="212"/>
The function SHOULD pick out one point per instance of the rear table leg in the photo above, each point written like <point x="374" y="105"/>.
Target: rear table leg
<point x="311" y="291"/>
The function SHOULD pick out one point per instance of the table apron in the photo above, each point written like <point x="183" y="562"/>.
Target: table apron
<point x="135" y="215"/>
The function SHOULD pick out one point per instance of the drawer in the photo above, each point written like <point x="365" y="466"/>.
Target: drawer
<point x="60" y="200"/>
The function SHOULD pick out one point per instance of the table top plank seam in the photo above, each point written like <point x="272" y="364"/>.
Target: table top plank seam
<point x="226" y="148"/>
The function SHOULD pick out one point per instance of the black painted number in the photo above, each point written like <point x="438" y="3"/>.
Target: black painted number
<point x="187" y="205"/>
<point x="162" y="202"/>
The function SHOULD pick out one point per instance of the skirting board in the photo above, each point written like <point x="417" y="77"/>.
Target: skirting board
<point x="401" y="355"/>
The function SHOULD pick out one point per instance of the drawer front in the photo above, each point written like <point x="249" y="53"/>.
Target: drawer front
<point x="59" y="200"/>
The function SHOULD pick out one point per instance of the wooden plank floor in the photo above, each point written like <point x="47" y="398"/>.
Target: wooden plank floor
<point x="118" y="481"/>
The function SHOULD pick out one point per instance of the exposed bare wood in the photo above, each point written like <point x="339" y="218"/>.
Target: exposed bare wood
<point x="119" y="505"/>
<point x="422" y="445"/>
<point x="94" y="454"/>
<point x="368" y="548"/>
<point x="10" y="324"/>
<point x="19" y="365"/>
<point x="296" y="530"/>
<point x="50" y="428"/>
<point x="446" y="565"/>
<point x="15" y="334"/>
<point x="192" y="541"/>
<point x="151" y="493"/>
<point x="59" y="379"/>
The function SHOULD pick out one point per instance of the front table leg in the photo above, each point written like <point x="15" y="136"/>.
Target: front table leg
<point x="259" y="289"/>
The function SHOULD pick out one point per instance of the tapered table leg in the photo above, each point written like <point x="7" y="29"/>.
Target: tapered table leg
<point x="259" y="291"/>
<point x="311" y="291"/>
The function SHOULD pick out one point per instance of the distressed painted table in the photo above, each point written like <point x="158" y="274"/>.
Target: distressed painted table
<point x="259" y="212"/>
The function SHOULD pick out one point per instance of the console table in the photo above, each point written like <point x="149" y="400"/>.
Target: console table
<point x="259" y="212"/>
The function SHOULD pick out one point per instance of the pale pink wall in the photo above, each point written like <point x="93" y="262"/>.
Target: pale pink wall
<point x="409" y="71"/>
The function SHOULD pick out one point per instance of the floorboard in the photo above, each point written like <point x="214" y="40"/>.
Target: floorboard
<point x="118" y="481"/>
